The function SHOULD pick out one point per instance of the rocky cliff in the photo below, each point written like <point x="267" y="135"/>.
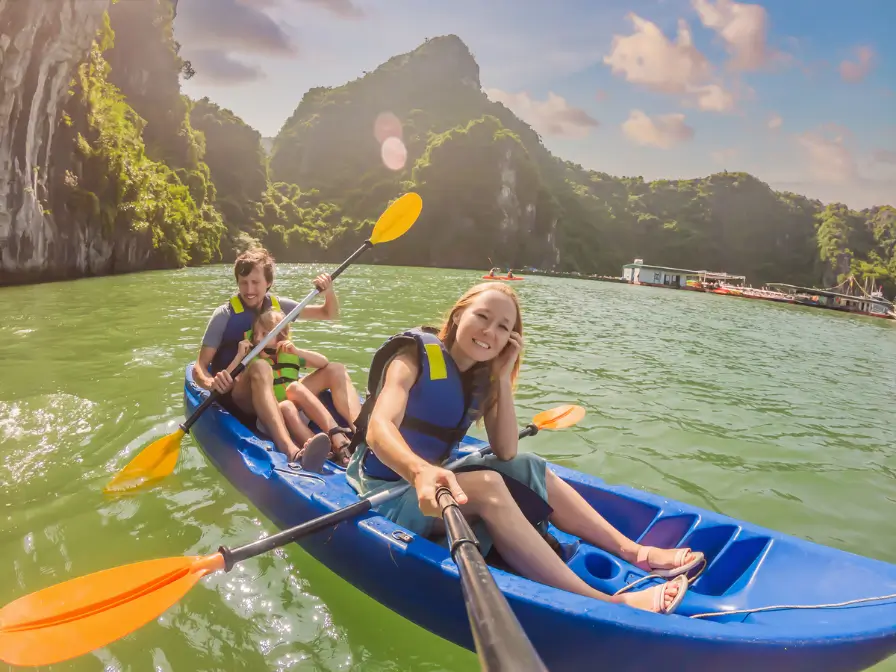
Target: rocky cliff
<point x="106" y="167"/>
<point x="41" y="45"/>
<point x="476" y="165"/>
<point x="91" y="185"/>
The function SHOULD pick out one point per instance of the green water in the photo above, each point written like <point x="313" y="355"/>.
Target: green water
<point x="775" y="414"/>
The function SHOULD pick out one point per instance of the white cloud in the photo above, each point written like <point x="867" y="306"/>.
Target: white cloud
<point x="664" y="131"/>
<point x="218" y="67"/>
<point x="743" y="27"/>
<point x="839" y="173"/>
<point x="828" y="158"/>
<point x="885" y="156"/>
<point x="725" y="156"/>
<point x="214" y="31"/>
<point x="553" y="116"/>
<point x="774" y="121"/>
<point x="649" y="59"/>
<point x="857" y="71"/>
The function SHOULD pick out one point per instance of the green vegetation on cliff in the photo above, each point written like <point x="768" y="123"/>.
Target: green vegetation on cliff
<point x="119" y="187"/>
<point x="492" y="191"/>
<point x="197" y="180"/>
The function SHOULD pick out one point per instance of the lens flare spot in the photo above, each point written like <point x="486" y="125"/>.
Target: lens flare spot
<point x="387" y="125"/>
<point x="394" y="153"/>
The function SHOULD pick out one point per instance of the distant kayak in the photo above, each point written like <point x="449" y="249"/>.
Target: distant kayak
<point x="501" y="277"/>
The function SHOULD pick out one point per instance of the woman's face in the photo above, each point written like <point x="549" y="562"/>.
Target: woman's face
<point x="484" y="326"/>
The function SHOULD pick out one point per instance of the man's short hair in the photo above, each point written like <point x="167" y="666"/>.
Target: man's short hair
<point x="257" y="256"/>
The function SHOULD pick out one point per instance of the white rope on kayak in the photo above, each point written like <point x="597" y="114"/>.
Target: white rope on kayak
<point x="758" y="609"/>
<point x="794" y="606"/>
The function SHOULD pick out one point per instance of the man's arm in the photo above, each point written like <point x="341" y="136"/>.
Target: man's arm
<point x="200" y="367"/>
<point x="330" y="308"/>
<point x="211" y="341"/>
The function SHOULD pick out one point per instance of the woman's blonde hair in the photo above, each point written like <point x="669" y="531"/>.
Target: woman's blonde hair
<point x="448" y="335"/>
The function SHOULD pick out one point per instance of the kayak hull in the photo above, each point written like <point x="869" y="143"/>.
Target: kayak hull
<point x="408" y="573"/>
<point x="501" y="277"/>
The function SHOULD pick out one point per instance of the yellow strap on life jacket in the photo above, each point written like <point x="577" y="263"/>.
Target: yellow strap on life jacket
<point x="237" y="304"/>
<point x="437" y="367"/>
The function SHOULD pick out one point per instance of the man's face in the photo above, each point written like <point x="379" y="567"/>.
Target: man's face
<point x="253" y="287"/>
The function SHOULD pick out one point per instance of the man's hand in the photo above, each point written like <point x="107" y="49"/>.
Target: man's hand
<point x="324" y="283"/>
<point x="222" y="382"/>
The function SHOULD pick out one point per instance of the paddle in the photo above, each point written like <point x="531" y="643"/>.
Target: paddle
<point x="85" y="613"/>
<point x="500" y="640"/>
<point x="159" y="458"/>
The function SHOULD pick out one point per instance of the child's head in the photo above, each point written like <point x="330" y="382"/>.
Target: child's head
<point x="263" y="325"/>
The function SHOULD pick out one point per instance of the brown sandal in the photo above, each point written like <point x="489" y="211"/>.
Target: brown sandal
<point x="340" y="455"/>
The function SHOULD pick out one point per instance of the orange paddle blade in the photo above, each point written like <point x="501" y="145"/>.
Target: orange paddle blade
<point x="559" y="417"/>
<point x="78" y="616"/>
<point x="155" y="461"/>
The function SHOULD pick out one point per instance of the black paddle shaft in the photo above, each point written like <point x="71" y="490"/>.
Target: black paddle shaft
<point x="215" y="395"/>
<point x="231" y="557"/>
<point x="500" y="640"/>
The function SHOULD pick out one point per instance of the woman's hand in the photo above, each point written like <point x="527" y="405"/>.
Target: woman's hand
<point x="428" y="481"/>
<point x="509" y="355"/>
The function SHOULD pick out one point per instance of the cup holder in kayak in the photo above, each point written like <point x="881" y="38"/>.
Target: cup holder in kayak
<point x="600" y="566"/>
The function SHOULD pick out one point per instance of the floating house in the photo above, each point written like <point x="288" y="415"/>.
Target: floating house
<point x="639" y="273"/>
<point x="873" y="303"/>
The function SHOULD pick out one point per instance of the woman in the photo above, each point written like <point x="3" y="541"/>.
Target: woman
<point x="426" y="390"/>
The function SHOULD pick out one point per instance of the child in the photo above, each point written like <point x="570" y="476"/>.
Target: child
<point x="286" y="361"/>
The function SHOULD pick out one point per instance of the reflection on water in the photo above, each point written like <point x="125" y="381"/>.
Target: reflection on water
<point x="775" y="414"/>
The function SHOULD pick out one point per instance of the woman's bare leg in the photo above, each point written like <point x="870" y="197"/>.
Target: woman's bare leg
<point x="524" y="549"/>
<point x="574" y="515"/>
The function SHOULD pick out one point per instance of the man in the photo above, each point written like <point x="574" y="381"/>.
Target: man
<point x="253" y="391"/>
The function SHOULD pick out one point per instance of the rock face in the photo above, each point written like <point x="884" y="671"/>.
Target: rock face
<point x="476" y="165"/>
<point x="41" y="44"/>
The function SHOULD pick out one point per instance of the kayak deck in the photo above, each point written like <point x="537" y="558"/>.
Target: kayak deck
<point x="747" y="567"/>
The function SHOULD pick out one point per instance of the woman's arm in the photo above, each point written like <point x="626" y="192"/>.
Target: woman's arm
<point x="383" y="436"/>
<point x="386" y="442"/>
<point x="500" y="422"/>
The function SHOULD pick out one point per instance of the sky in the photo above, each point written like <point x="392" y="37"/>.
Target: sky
<point x="800" y="93"/>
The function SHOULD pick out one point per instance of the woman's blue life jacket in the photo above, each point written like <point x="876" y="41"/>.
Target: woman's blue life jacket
<point x="440" y="407"/>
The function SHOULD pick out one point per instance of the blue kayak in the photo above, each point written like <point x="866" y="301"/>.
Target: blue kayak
<point x="747" y="567"/>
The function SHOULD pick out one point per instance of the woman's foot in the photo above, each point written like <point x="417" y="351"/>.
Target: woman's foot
<point x="662" y="599"/>
<point x="666" y="562"/>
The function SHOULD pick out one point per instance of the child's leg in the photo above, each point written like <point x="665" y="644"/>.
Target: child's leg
<point x="299" y="430"/>
<point x="306" y="400"/>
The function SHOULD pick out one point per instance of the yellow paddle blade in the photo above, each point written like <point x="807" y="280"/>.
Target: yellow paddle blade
<point x="78" y="616"/>
<point x="155" y="461"/>
<point x="559" y="417"/>
<point x="397" y="219"/>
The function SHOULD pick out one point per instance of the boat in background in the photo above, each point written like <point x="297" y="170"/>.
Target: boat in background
<point x="854" y="298"/>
